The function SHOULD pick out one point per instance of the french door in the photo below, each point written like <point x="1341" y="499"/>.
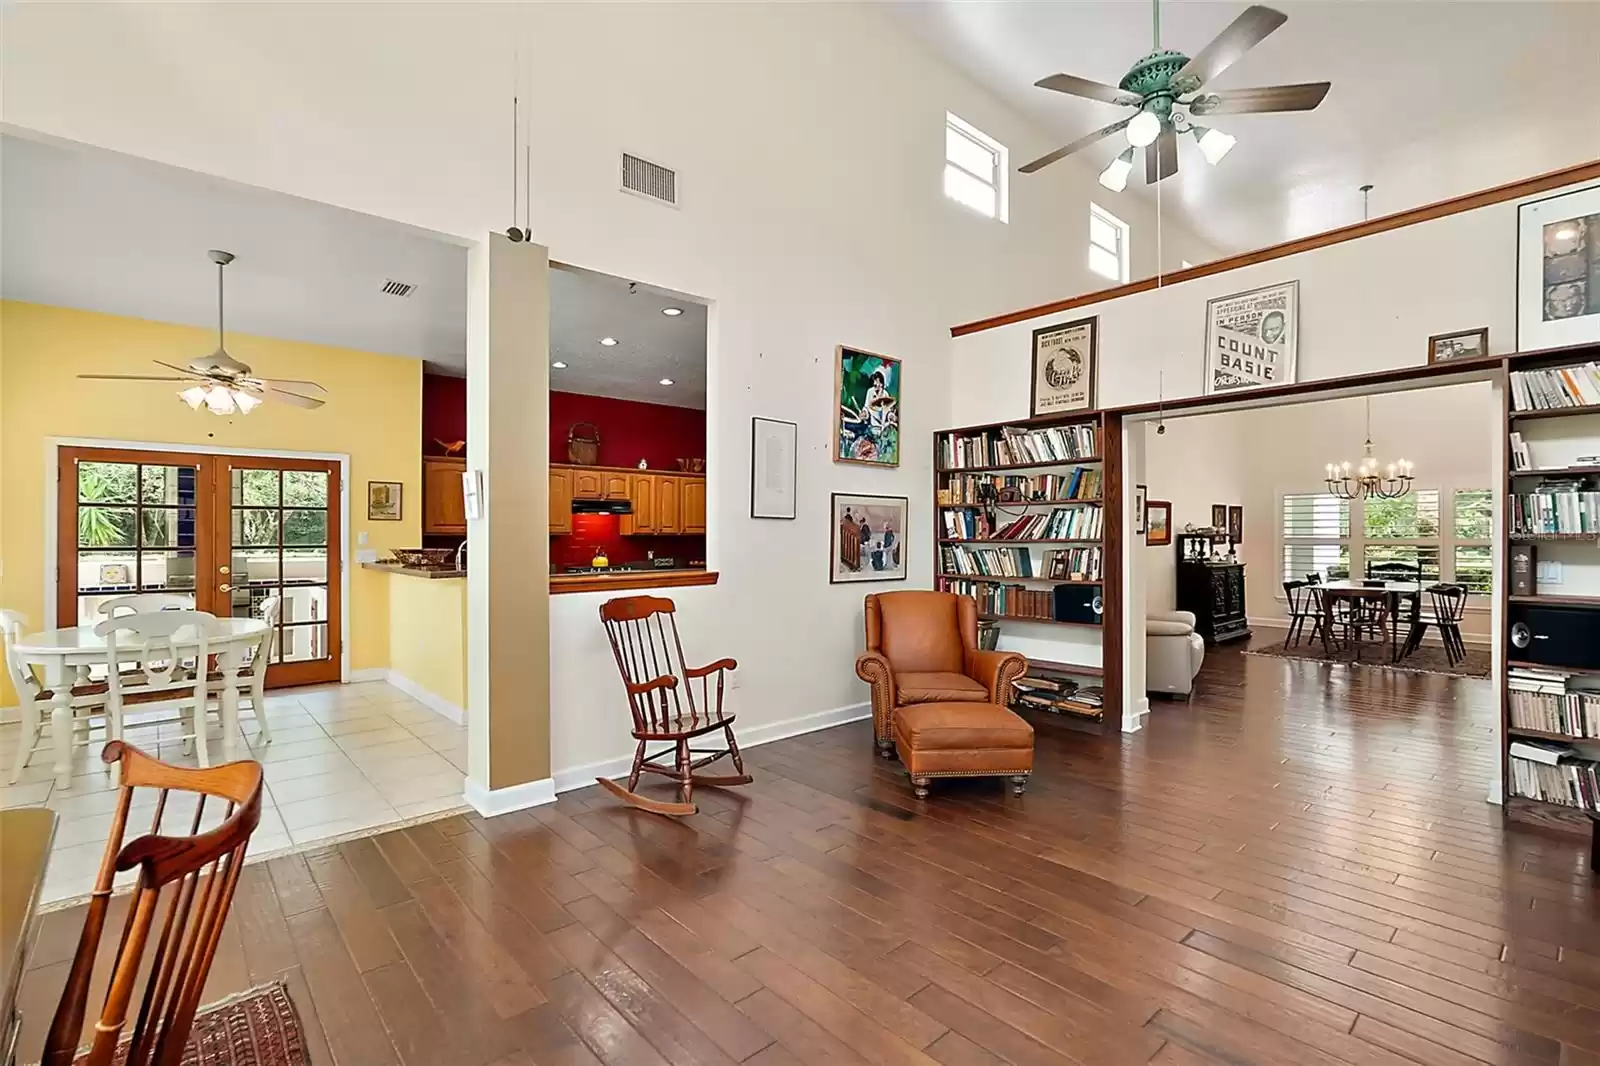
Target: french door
<point x="224" y="532"/>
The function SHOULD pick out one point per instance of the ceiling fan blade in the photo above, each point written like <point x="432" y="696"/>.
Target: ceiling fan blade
<point x="1242" y="34"/>
<point x="1082" y="142"/>
<point x="296" y="399"/>
<point x="278" y="383"/>
<point x="126" y="377"/>
<point x="1301" y="97"/>
<point x="1161" y="156"/>
<point x="1073" y="85"/>
<point x="179" y="369"/>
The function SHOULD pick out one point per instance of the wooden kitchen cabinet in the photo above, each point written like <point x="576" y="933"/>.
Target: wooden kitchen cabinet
<point x="669" y="504"/>
<point x="560" y="501"/>
<point x="587" y="484"/>
<point x="642" y="495"/>
<point x="444" y="507"/>
<point x="692" y="508"/>
<point x="615" y="486"/>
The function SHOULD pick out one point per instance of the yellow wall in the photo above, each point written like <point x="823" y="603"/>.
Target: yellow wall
<point x="373" y="414"/>
<point x="428" y="634"/>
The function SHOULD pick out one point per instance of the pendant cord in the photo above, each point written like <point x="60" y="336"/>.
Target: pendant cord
<point x="1155" y="19"/>
<point x="220" y="268"/>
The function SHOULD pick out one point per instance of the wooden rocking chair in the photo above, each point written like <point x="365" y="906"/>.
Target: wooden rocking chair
<point x="638" y="634"/>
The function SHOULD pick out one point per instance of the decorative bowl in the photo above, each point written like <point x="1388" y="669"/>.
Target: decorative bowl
<point x="425" y="558"/>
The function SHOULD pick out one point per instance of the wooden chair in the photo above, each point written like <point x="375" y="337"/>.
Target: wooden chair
<point x="258" y="659"/>
<point x="149" y="671"/>
<point x="1449" y="609"/>
<point x="1367" y="623"/>
<point x="198" y="873"/>
<point x="88" y="700"/>
<point x="146" y="603"/>
<point x="1305" y="604"/>
<point x="658" y="686"/>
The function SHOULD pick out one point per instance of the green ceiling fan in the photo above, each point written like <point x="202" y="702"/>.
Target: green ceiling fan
<point x="1167" y="88"/>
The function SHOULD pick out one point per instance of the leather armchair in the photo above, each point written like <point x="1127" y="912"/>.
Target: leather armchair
<point x="922" y="647"/>
<point x="1173" y="652"/>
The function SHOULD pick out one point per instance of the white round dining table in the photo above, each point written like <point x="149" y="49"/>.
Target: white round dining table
<point x="64" y="652"/>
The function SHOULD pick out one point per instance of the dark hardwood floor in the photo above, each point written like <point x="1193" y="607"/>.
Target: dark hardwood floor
<point x="1297" y="867"/>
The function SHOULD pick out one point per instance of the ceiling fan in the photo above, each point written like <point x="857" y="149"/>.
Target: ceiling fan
<point x="1167" y="87"/>
<point x="219" y="382"/>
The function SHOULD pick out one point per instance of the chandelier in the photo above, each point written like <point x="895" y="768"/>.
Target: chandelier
<point x="1365" y="483"/>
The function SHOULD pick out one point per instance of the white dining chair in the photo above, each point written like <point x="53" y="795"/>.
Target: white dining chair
<point x="259" y="658"/>
<point x="88" y="701"/>
<point x="146" y="602"/>
<point x="145" y="668"/>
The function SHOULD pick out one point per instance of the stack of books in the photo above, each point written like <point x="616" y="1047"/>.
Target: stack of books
<point x="980" y="489"/>
<point x="1010" y="445"/>
<point x="1557" y="505"/>
<point x="1543" y="700"/>
<point x="1556" y="774"/>
<point x="1058" y="695"/>
<point x="1562" y="386"/>
<point x="1521" y="457"/>
<point x="985" y="562"/>
<point x="1004" y="601"/>
<point x="1073" y="564"/>
<point x="967" y="525"/>
<point x="1063" y="523"/>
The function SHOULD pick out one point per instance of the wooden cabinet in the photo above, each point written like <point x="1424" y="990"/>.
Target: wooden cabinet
<point x="669" y="507"/>
<point x="692" y="509"/>
<point x="587" y="484"/>
<point x="642" y="495"/>
<point x="615" y="486"/>
<point x="1214" y="592"/>
<point x="560" y="501"/>
<point x="444" y="507"/>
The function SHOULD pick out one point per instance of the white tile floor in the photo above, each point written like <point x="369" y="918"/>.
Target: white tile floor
<point x="343" y="759"/>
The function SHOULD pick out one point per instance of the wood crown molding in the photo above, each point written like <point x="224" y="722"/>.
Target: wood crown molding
<point x="1555" y="179"/>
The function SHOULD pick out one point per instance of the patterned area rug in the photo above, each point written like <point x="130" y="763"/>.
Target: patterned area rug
<point x="254" y="1028"/>
<point x="1428" y="659"/>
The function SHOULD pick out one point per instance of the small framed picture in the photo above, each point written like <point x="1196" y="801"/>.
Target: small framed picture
<point x="1157" y="522"/>
<point x="773" y="458"/>
<point x="868" y="538"/>
<point x="383" y="501"/>
<point x="1236" y="524"/>
<point x="1140" y="494"/>
<point x="1468" y="344"/>
<point x="1219" y="516"/>
<point x="1063" y="367"/>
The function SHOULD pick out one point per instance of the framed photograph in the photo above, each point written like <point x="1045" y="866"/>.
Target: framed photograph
<point x="866" y="420"/>
<point x="1236" y="524"/>
<point x="1468" y="344"/>
<point x="383" y="501"/>
<point x="1219" y="516"/>
<point x="1140" y="494"/>
<point x="1064" y="367"/>
<point x="1252" y="338"/>
<point x="868" y="538"/>
<point x="1558" y="270"/>
<point x="1157" y="522"/>
<point x="773" y="448"/>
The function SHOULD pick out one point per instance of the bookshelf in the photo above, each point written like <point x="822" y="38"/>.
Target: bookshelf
<point x="1550" y="711"/>
<point x="1027" y="522"/>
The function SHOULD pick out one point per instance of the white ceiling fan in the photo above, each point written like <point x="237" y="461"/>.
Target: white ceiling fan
<point x="219" y="382"/>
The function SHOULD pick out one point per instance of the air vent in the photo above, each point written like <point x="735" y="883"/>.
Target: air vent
<point x="650" y="180"/>
<point x="392" y="287"/>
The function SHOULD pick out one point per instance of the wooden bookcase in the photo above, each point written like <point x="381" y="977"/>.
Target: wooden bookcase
<point x="967" y="455"/>
<point x="1560" y="442"/>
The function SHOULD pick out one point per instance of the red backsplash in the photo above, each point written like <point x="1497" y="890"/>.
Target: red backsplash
<point x="592" y="530"/>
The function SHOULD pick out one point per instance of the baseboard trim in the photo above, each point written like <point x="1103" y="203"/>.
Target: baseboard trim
<point x="1132" y="723"/>
<point x="1431" y="638"/>
<point x="371" y="673"/>
<point x="497" y="801"/>
<point x="583" y="776"/>
<point x="436" y="703"/>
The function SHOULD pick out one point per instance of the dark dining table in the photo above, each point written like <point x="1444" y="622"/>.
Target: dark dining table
<point x="1392" y="591"/>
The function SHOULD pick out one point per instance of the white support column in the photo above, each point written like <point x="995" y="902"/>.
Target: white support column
<point x="1135" y="701"/>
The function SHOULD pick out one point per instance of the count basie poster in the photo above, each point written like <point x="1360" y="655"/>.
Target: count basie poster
<point x="1252" y="338"/>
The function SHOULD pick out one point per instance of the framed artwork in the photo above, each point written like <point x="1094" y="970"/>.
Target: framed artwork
<point x="1157" y="522"/>
<point x="1219" y="516"/>
<point x="773" y="448"/>
<point x="1140" y="494"/>
<point x="868" y="538"/>
<point x="1064" y="359"/>
<point x="1468" y="344"/>
<point x="1236" y="524"/>
<point x="383" y="501"/>
<point x="1558" y="270"/>
<point x="866" y="420"/>
<point x="1252" y="338"/>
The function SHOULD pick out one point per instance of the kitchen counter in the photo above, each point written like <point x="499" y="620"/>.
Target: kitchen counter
<point x="623" y="580"/>
<point x="413" y="571"/>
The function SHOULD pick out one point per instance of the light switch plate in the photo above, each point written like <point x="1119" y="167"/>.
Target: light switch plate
<point x="361" y="538"/>
<point x="1549" y="572"/>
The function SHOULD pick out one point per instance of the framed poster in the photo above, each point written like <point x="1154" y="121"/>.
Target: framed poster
<point x="1064" y="367"/>
<point x="1140" y="494"/>
<point x="1219" y="516"/>
<point x="1252" y="338"/>
<point x="866" y="419"/>
<point x="1558" y="270"/>
<point x="1157" y="522"/>
<point x="773" y="446"/>
<point x="868" y="538"/>
<point x="1236" y="524"/>
<point x="383" y="501"/>
<point x="1467" y="344"/>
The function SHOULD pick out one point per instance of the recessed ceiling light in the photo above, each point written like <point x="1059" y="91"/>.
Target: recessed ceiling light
<point x="672" y="312"/>
<point x="609" y="342"/>
<point x="666" y="381"/>
<point x="559" y="365"/>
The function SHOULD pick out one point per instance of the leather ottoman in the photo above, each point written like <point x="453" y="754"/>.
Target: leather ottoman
<point x="965" y="739"/>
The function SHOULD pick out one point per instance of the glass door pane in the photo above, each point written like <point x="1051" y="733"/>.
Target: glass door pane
<point x="137" y="529"/>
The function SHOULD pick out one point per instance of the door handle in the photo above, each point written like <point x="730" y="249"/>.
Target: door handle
<point x="224" y="588"/>
<point x="222" y="569"/>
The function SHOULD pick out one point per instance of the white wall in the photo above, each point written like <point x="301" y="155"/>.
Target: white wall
<point x="1198" y="461"/>
<point x="809" y="141"/>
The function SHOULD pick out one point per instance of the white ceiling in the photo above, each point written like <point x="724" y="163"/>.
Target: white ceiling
<point x="586" y="306"/>
<point x="1429" y="99"/>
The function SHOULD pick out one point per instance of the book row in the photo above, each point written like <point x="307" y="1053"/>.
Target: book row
<point x="977" y="489"/>
<point x="1561" y="386"/>
<point x="1572" y="782"/>
<point x="1556" y="510"/>
<point x="1010" y="445"/>
<point x="1005" y="601"/>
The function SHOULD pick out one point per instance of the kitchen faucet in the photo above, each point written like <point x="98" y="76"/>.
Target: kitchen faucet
<point x="461" y="554"/>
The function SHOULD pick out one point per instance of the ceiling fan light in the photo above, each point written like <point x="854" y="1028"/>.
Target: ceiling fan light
<point x="219" y="401"/>
<point x="1144" y="128"/>
<point x="245" y="401"/>
<point x="1115" y="175"/>
<point x="194" y="396"/>
<point x="1214" y="144"/>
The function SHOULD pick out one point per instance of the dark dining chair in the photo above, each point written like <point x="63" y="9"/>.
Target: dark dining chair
<point x="1304" y="604"/>
<point x="1449" y="608"/>
<point x="1367" y="623"/>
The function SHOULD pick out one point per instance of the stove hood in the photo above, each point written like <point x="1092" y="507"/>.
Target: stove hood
<point x="602" y="507"/>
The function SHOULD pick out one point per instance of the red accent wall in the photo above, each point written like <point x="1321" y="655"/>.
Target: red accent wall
<point x="600" y="530"/>
<point x="629" y="431"/>
<point x="444" y="411"/>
